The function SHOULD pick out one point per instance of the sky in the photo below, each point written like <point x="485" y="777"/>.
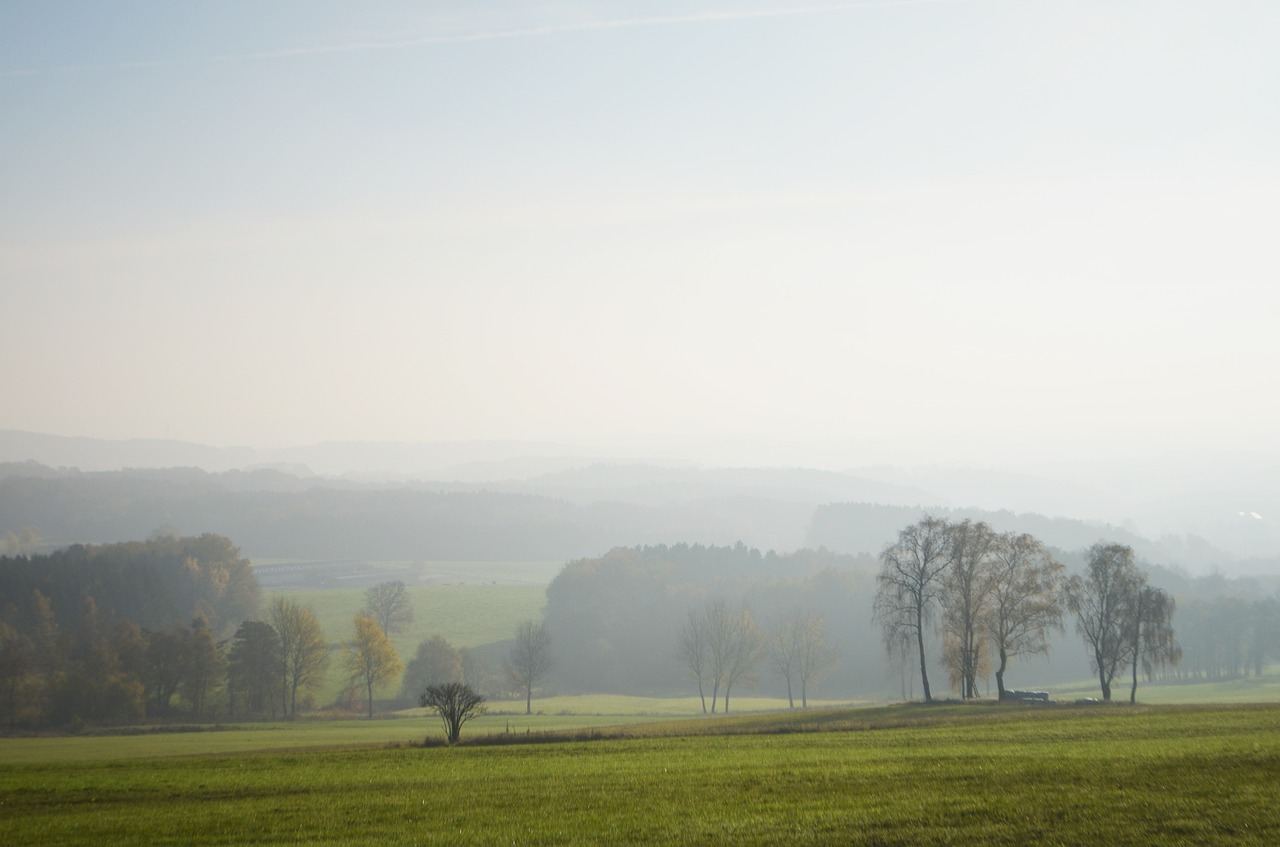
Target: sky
<point x="976" y="231"/>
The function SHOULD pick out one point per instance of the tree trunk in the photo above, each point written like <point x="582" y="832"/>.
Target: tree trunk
<point x="791" y="702"/>
<point x="528" y="700"/>
<point x="1004" y="662"/>
<point x="369" y="688"/>
<point x="924" y="673"/>
<point x="804" y="694"/>
<point x="702" y="696"/>
<point x="1133" y="692"/>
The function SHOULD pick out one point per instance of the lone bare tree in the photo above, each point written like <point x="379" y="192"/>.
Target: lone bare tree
<point x="907" y="586"/>
<point x="455" y="703"/>
<point x="1025" y="600"/>
<point x="370" y="658"/>
<point x="529" y="661"/>
<point x="389" y="604"/>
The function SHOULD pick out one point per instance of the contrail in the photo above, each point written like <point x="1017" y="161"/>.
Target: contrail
<point x="493" y="35"/>
<point x="585" y="26"/>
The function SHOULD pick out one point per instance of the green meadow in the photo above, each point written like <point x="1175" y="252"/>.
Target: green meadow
<point x="890" y="775"/>
<point x="471" y="604"/>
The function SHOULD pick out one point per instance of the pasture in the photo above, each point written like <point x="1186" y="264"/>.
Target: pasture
<point x="471" y="604"/>
<point x="892" y="775"/>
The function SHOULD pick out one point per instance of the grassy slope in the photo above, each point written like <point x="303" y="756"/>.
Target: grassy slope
<point x="467" y="615"/>
<point x="900" y="775"/>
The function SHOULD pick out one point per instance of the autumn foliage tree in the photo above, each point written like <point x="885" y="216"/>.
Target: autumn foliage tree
<point x="370" y="658"/>
<point x="1025" y="600"/>
<point x="304" y="651"/>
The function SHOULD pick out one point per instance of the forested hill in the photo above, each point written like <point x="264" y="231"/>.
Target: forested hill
<point x="163" y="582"/>
<point x="615" y="618"/>
<point x="275" y="514"/>
<point x="860" y="527"/>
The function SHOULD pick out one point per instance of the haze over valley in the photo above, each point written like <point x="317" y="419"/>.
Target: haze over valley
<point x="625" y="327"/>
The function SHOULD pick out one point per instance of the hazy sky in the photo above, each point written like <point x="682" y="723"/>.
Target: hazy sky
<point x="753" y="232"/>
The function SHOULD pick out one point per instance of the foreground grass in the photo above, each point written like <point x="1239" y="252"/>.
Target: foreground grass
<point x="898" y="775"/>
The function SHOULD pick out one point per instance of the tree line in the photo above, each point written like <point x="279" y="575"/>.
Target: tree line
<point x="113" y="633"/>
<point x="78" y="642"/>
<point x="999" y="595"/>
<point x="71" y="654"/>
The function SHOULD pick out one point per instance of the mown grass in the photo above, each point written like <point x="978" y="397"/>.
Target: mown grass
<point x="896" y="775"/>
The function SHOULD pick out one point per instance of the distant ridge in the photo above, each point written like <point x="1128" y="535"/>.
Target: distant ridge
<point x="97" y="454"/>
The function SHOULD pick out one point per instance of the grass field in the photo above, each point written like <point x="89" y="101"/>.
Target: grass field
<point x="467" y="615"/>
<point x="897" y="775"/>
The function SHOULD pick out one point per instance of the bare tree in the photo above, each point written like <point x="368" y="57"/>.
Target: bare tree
<point x="965" y="595"/>
<point x="691" y="649"/>
<point x="304" y="652"/>
<point x="1150" y="630"/>
<point x="742" y="651"/>
<point x="907" y="588"/>
<point x="720" y="646"/>
<point x="718" y="629"/>
<point x="1102" y="601"/>
<point x="1025" y="600"/>
<point x="798" y="646"/>
<point x="530" y="659"/>
<point x="817" y="656"/>
<point x="370" y="658"/>
<point x="455" y="703"/>
<point x="389" y="604"/>
<point x="785" y="643"/>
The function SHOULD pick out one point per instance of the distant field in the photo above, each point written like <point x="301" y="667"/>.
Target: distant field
<point x="890" y="776"/>
<point x="1263" y="689"/>
<point x="467" y="615"/>
<point x="452" y="572"/>
<point x="626" y="705"/>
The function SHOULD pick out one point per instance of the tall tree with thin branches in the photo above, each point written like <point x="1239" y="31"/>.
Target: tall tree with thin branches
<point x="800" y="651"/>
<point x="1152" y="642"/>
<point x="965" y="601"/>
<point x="1025" y="600"/>
<point x="907" y="586"/>
<point x="742" y="651"/>
<point x="304" y="651"/>
<point x="389" y="604"/>
<point x="691" y="649"/>
<point x="1102" y="601"/>
<point x="529" y="660"/>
